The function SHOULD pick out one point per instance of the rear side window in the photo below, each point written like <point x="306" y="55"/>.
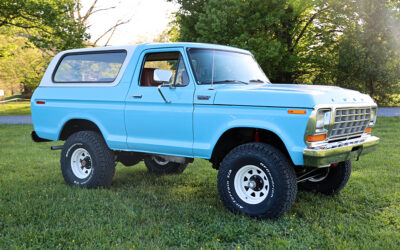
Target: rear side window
<point x="95" y="67"/>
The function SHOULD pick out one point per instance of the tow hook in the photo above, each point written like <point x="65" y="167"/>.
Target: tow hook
<point x="57" y="147"/>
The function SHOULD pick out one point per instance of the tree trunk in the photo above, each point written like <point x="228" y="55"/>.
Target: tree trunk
<point x="371" y="87"/>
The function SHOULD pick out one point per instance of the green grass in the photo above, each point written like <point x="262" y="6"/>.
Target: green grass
<point x="142" y="210"/>
<point x="16" y="108"/>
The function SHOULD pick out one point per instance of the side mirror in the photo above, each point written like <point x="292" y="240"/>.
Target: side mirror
<point x="162" y="75"/>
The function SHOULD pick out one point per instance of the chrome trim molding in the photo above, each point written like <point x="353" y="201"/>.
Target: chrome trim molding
<point x="350" y="121"/>
<point x="311" y="125"/>
<point x="328" y="153"/>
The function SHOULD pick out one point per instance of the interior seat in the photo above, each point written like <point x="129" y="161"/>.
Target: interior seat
<point x="147" y="79"/>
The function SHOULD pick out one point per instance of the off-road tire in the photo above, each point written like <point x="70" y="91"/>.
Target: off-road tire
<point x="335" y="181"/>
<point x="276" y="168"/>
<point x="169" y="168"/>
<point x="102" y="160"/>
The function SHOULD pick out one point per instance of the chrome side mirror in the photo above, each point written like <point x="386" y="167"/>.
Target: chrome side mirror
<point x="162" y="75"/>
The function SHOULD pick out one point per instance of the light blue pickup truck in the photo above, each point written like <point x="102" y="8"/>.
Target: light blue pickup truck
<point x="167" y="104"/>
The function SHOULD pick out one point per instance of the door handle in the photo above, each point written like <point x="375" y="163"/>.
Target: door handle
<point x="137" y="96"/>
<point x="203" y="97"/>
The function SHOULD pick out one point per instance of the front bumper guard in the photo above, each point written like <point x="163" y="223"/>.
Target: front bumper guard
<point x="330" y="153"/>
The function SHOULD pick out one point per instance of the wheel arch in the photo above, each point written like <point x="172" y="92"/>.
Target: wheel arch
<point x="78" y="124"/>
<point x="236" y="136"/>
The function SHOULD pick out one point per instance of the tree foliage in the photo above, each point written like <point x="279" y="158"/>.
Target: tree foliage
<point x="32" y="31"/>
<point x="280" y="33"/>
<point x="369" y="54"/>
<point x="46" y="23"/>
<point x="309" y="41"/>
<point x="21" y="67"/>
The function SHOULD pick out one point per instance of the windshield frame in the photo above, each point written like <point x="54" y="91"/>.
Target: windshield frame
<point x="224" y="50"/>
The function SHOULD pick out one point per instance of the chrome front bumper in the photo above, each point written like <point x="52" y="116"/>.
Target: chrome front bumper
<point x="329" y="153"/>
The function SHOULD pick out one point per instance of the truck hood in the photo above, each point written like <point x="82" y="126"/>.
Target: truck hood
<point x="287" y="95"/>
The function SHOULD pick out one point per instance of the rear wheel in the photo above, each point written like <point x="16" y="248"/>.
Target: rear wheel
<point x="87" y="161"/>
<point x="330" y="181"/>
<point x="256" y="179"/>
<point x="158" y="165"/>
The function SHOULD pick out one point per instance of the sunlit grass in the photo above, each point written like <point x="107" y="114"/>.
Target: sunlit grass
<point x="15" y="108"/>
<point x="141" y="210"/>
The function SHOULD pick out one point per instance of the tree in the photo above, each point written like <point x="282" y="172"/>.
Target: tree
<point x="187" y="17"/>
<point x="284" y="35"/>
<point x="21" y="67"/>
<point x="351" y="43"/>
<point x="54" y="25"/>
<point x="83" y="19"/>
<point x="46" y="23"/>
<point x="369" y="52"/>
<point x="32" y="31"/>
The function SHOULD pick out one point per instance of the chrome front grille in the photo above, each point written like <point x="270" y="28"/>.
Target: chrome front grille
<point x="350" y="122"/>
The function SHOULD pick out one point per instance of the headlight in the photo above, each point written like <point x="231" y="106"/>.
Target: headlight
<point x="373" y="117"/>
<point x="323" y="120"/>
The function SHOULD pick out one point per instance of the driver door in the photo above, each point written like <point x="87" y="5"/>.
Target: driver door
<point x="159" y="120"/>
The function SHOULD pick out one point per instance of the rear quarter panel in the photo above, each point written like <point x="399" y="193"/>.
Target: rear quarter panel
<point x="102" y="104"/>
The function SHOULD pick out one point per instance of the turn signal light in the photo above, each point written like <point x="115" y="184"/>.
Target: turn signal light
<point x="298" y="112"/>
<point x="314" y="138"/>
<point x="368" y="130"/>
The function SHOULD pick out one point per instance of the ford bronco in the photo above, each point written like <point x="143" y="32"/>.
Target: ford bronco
<point x="167" y="104"/>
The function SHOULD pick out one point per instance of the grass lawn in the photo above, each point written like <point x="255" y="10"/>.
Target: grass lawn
<point x="16" y="108"/>
<point x="142" y="210"/>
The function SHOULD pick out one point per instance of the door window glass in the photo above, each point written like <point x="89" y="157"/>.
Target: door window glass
<point x="171" y="61"/>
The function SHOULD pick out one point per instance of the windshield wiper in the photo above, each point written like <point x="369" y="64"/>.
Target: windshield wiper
<point x="257" y="80"/>
<point x="226" y="81"/>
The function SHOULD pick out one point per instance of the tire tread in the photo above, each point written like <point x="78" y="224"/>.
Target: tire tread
<point x="105" y="168"/>
<point x="288" y="175"/>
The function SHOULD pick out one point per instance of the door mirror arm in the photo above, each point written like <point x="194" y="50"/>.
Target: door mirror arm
<point x="161" y="93"/>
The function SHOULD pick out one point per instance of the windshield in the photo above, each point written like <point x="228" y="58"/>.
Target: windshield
<point x="225" y="67"/>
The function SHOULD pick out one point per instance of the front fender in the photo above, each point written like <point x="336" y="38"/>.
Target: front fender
<point x="290" y="128"/>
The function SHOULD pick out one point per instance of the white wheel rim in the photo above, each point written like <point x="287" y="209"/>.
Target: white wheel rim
<point x="159" y="160"/>
<point x="251" y="184"/>
<point x="81" y="163"/>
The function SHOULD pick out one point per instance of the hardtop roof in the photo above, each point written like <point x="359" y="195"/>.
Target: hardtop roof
<point x="145" y="46"/>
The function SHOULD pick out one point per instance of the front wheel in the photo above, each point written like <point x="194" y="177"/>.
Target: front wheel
<point x="331" y="181"/>
<point x="86" y="160"/>
<point x="256" y="179"/>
